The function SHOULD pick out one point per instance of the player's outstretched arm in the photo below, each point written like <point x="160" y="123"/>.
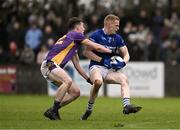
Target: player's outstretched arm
<point x="81" y="71"/>
<point x="96" y="46"/>
<point x="124" y="52"/>
<point x="92" y="56"/>
<point x="88" y="53"/>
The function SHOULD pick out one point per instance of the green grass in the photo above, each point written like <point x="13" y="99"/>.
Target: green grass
<point x="25" y="112"/>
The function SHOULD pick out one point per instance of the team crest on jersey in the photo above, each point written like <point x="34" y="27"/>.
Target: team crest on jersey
<point x="109" y="39"/>
<point x="103" y="38"/>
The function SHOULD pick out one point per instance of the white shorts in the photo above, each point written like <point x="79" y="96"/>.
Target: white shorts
<point x="103" y="70"/>
<point x="45" y="69"/>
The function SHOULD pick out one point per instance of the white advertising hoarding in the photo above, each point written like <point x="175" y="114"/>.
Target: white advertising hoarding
<point x="146" y="79"/>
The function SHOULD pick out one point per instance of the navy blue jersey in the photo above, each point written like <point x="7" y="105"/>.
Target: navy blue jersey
<point x="112" y="42"/>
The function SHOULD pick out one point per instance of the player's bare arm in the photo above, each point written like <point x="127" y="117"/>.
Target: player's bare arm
<point x="96" y="46"/>
<point x="91" y="55"/>
<point x="123" y="51"/>
<point x="76" y="64"/>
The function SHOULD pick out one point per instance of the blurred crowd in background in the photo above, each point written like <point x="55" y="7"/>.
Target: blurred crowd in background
<point x="29" y="28"/>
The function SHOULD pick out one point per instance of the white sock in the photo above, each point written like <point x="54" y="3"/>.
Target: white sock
<point x="126" y="101"/>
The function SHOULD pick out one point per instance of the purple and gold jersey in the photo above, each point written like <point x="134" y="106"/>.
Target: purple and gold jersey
<point x="62" y="52"/>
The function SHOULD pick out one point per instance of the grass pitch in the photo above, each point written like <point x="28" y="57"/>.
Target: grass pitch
<point x="25" y="112"/>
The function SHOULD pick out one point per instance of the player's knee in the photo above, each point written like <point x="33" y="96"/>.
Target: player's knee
<point x="76" y="93"/>
<point x="68" y="82"/>
<point x="98" y="83"/>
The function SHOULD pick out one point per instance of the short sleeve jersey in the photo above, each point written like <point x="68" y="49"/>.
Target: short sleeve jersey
<point x="112" y="42"/>
<point x="62" y="52"/>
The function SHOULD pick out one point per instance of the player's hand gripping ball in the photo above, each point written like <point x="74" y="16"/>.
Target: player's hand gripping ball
<point x="117" y="62"/>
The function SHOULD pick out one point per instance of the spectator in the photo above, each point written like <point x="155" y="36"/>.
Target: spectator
<point x="134" y="49"/>
<point x="50" y="18"/>
<point x="41" y="21"/>
<point x="93" y="23"/>
<point x="175" y="33"/>
<point x="33" y="36"/>
<point x="48" y="35"/>
<point x="166" y="30"/>
<point x="157" y="24"/>
<point x="173" y="54"/>
<point x="27" y="55"/>
<point x="13" y="53"/>
<point x="152" y="48"/>
<point x="129" y="29"/>
<point x="42" y="54"/>
<point x="142" y="18"/>
<point x="59" y="27"/>
<point x="174" y="19"/>
<point x="50" y="43"/>
<point x="16" y="35"/>
<point x="141" y="34"/>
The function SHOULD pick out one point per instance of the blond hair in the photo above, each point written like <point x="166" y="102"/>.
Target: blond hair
<point x="111" y="17"/>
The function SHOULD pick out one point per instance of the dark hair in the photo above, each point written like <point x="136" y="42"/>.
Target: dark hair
<point x="73" y="22"/>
